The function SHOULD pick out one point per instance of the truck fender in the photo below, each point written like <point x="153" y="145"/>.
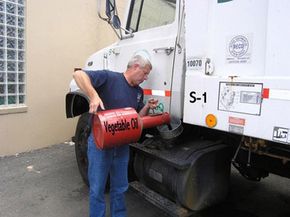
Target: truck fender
<point x="76" y="103"/>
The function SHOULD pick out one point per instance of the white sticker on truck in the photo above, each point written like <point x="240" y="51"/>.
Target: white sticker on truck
<point x="281" y="134"/>
<point x="236" y="129"/>
<point x="240" y="97"/>
<point x="195" y="63"/>
<point x="238" y="49"/>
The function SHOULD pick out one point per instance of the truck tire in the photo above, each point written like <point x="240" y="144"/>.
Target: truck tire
<point x="81" y="144"/>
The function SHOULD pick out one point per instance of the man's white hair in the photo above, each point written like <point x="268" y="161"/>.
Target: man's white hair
<point x="142" y="58"/>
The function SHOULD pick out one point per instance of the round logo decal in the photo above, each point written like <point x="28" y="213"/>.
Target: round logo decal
<point x="239" y="46"/>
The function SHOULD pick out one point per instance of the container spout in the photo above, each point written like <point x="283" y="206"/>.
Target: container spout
<point x="155" y="120"/>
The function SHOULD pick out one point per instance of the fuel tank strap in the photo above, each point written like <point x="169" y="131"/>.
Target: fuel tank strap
<point x="180" y="156"/>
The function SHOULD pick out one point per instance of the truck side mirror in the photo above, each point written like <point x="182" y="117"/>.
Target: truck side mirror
<point x="110" y="8"/>
<point x="113" y="19"/>
<point x="116" y="22"/>
<point x="112" y="15"/>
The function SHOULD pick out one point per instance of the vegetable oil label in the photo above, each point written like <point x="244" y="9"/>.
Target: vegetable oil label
<point x="240" y="97"/>
<point x="121" y="125"/>
<point x="115" y="127"/>
<point x="238" y="49"/>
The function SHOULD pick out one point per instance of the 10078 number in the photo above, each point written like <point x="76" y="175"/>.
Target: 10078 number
<point x="194" y="63"/>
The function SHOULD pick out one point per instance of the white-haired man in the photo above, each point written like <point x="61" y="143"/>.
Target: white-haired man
<point x="112" y="90"/>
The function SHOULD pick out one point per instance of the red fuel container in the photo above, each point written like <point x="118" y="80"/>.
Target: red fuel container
<point x="112" y="128"/>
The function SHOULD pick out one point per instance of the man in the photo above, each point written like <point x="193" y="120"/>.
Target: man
<point x="112" y="90"/>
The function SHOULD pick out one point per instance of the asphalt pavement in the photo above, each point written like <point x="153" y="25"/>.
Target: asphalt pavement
<point x="46" y="183"/>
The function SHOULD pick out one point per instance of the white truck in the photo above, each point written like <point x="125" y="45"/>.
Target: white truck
<point x="220" y="69"/>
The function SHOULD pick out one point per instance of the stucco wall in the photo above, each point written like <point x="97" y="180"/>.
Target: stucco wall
<point x="60" y="35"/>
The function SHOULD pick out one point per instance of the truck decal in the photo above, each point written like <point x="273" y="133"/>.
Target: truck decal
<point x="194" y="97"/>
<point x="236" y="129"/>
<point x="237" y="121"/>
<point x="281" y="134"/>
<point x="195" y="63"/>
<point x="238" y="49"/>
<point x="240" y="97"/>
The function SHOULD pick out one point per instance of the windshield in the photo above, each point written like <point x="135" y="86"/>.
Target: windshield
<point x="145" y="14"/>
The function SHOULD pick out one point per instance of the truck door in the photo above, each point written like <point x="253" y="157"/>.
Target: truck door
<point x="154" y="27"/>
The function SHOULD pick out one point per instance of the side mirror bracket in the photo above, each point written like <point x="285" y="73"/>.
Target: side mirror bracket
<point x="110" y="8"/>
<point x="113" y="19"/>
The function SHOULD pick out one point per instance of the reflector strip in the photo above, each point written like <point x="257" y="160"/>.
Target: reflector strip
<point x="147" y="92"/>
<point x="166" y="93"/>
<point x="265" y="93"/>
<point x="276" y="94"/>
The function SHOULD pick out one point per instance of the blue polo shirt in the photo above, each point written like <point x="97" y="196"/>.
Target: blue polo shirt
<point x="115" y="91"/>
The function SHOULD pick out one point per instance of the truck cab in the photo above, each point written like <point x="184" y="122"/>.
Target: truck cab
<point x="220" y="70"/>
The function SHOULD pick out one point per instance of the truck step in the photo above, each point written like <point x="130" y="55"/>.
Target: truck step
<point x="170" y="208"/>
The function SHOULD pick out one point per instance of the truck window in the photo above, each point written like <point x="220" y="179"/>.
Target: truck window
<point x="145" y="14"/>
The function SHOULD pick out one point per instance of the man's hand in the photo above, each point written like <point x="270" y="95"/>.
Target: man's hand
<point x="95" y="102"/>
<point x="84" y="83"/>
<point x="152" y="103"/>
